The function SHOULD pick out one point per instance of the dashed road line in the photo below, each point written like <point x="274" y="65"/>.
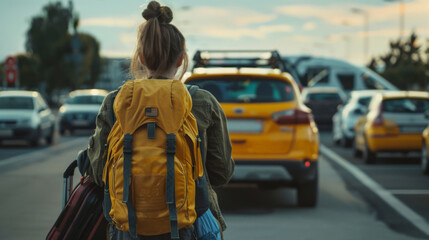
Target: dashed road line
<point x="387" y="196"/>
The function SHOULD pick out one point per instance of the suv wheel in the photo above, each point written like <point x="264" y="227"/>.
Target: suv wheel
<point x="50" y="137"/>
<point x="307" y="193"/>
<point x="35" y="141"/>
<point x="425" y="160"/>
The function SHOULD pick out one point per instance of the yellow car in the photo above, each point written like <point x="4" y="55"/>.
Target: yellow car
<point x="274" y="139"/>
<point x="394" y="123"/>
<point x="425" y="152"/>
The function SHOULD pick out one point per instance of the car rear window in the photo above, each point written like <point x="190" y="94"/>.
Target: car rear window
<point x="364" y="101"/>
<point x="86" y="99"/>
<point x="323" y="96"/>
<point x="243" y="90"/>
<point x="406" y="105"/>
<point x="16" y="103"/>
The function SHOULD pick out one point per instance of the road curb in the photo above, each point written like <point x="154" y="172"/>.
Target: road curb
<point x="380" y="193"/>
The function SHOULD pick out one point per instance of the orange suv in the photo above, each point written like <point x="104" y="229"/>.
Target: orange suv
<point x="275" y="141"/>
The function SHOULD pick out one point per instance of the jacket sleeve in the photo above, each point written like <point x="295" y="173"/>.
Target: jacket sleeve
<point x="98" y="141"/>
<point x="219" y="164"/>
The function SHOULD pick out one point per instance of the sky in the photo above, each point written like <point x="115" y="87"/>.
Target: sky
<point x="326" y="28"/>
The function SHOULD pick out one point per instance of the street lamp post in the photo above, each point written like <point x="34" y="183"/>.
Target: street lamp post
<point x="366" y="28"/>
<point x="401" y="16"/>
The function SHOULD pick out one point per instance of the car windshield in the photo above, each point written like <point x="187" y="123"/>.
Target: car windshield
<point x="406" y="105"/>
<point x="16" y="103"/>
<point x="242" y="90"/>
<point x="323" y="96"/>
<point x="86" y="99"/>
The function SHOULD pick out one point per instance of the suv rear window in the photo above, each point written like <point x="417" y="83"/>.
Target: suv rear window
<point x="243" y="90"/>
<point x="16" y="103"/>
<point x="86" y="99"/>
<point x="323" y="96"/>
<point x="406" y="105"/>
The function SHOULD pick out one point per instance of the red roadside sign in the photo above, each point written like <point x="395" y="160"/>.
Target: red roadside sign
<point x="10" y="62"/>
<point x="11" y="70"/>
<point x="11" y="75"/>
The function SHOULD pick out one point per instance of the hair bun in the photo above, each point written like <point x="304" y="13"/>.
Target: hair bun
<point x="154" y="10"/>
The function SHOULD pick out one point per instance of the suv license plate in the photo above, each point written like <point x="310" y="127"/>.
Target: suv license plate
<point x="6" y="133"/>
<point x="244" y="126"/>
<point x="80" y="123"/>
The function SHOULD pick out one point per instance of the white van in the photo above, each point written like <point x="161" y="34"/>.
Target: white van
<point x="328" y="72"/>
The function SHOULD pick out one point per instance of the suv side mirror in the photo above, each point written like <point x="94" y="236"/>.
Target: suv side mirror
<point x="42" y="109"/>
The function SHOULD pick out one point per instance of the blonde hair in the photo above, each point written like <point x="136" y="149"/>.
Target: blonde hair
<point x="158" y="42"/>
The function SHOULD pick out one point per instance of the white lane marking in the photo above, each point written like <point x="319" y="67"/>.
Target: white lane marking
<point x="38" y="154"/>
<point x="377" y="189"/>
<point x="409" y="191"/>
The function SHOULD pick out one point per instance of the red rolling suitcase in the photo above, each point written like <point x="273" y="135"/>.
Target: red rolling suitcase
<point x="82" y="215"/>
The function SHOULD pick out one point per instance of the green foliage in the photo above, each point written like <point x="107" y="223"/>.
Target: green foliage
<point x="59" y="65"/>
<point x="29" y="77"/>
<point x="91" y="65"/>
<point x="403" y="64"/>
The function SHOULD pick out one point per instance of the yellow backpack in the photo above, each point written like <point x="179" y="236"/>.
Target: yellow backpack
<point x="153" y="159"/>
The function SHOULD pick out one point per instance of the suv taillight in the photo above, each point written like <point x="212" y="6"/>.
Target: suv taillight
<point x="294" y="116"/>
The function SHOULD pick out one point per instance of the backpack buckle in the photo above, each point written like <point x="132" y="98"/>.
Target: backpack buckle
<point x="171" y="143"/>
<point x="128" y="143"/>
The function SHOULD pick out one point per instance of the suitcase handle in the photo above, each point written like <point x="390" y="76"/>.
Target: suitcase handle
<point x="68" y="182"/>
<point x="70" y="169"/>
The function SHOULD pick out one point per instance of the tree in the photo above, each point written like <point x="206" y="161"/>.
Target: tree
<point x="403" y="64"/>
<point x="29" y="77"/>
<point x="45" y="40"/>
<point x="50" y="41"/>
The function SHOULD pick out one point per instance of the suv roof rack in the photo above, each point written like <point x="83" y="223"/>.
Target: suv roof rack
<point x="239" y="59"/>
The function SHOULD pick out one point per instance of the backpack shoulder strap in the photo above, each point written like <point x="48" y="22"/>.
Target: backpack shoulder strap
<point x="112" y="114"/>
<point x="192" y="89"/>
<point x="202" y="203"/>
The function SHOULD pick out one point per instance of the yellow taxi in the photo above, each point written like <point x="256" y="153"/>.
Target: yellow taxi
<point x="275" y="142"/>
<point x="394" y="123"/>
<point x="425" y="152"/>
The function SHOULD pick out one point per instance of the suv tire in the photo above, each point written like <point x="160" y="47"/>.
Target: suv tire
<point x="35" y="142"/>
<point x="425" y="159"/>
<point x="307" y="193"/>
<point x="50" y="137"/>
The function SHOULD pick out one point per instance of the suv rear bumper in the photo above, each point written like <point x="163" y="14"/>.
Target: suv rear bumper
<point x="274" y="172"/>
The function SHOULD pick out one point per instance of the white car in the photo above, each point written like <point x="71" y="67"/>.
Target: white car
<point x="80" y="110"/>
<point x="344" y="119"/>
<point x="24" y="115"/>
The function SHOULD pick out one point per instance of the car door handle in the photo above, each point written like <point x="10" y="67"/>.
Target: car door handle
<point x="238" y="141"/>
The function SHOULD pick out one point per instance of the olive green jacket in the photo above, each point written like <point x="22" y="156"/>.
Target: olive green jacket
<point x="212" y="128"/>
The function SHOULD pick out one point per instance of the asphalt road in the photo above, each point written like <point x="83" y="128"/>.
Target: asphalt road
<point x="400" y="175"/>
<point x="31" y="183"/>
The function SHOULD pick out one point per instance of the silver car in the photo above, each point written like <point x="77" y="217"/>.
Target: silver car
<point x="80" y="110"/>
<point x="24" y="115"/>
<point x="344" y="119"/>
